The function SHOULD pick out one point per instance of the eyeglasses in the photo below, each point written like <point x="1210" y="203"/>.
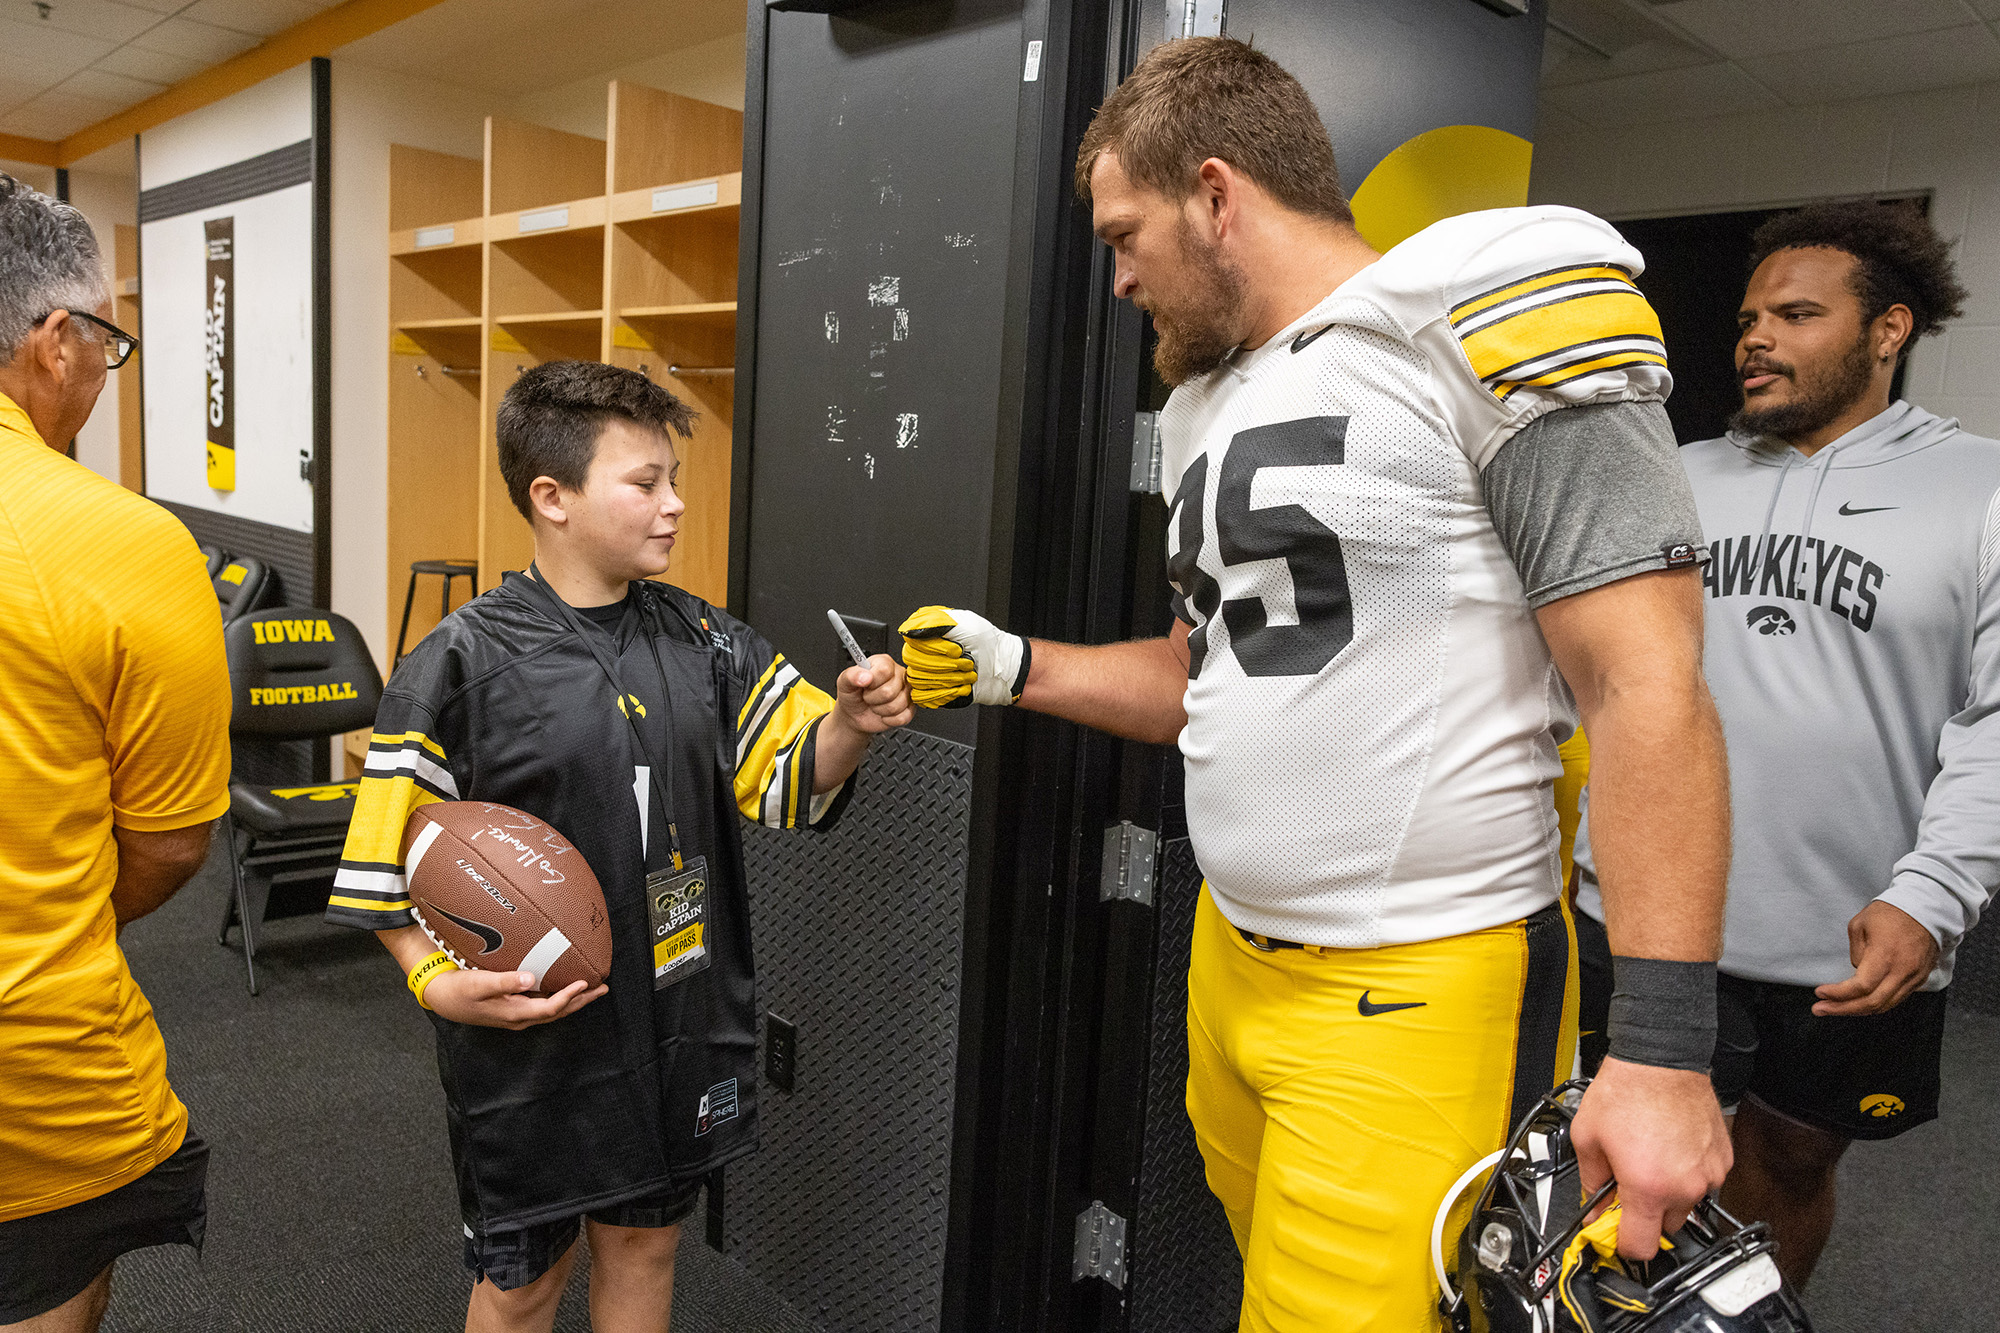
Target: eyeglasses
<point x="118" y="344"/>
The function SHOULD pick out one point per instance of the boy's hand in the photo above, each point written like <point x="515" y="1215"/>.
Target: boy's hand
<point x="501" y="999"/>
<point x="875" y="698"/>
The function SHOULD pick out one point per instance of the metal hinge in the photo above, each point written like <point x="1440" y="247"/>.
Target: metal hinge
<point x="1146" y="453"/>
<point x="1100" y="1245"/>
<point x="1196" y="18"/>
<point x="1129" y="856"/>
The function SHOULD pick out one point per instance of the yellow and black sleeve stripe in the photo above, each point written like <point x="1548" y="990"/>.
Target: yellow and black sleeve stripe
<point x="404" y="771"/>
<point x="1548" y="329"/>
<point x="775" y="730"/>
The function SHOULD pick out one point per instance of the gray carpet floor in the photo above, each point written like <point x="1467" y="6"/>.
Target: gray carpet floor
<point x="330" y="1197"/>
<point x="331" y="1204"/>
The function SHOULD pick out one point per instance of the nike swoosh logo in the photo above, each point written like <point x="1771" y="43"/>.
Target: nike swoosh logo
<point x="1305" y="340"/>
<point x="1369" y="1008"/>
<point x="1850" y="511"/>
<point x="493" y="938"/>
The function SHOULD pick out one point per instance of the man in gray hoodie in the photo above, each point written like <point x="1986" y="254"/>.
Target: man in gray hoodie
<point x="1853" y="647"/>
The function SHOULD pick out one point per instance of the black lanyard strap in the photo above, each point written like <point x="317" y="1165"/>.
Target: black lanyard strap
<point x="663" y="774"/>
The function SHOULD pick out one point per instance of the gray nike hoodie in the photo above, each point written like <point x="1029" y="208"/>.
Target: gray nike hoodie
<point x="1854" y="652"/>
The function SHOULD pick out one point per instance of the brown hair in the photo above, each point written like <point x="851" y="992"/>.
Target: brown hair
<point x="551" y="417"/>
<point x="1202" y="97"/>
<point x="1899" y="259"/>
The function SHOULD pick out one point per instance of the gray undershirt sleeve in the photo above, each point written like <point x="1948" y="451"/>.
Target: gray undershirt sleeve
<point x="1587" y="495"/>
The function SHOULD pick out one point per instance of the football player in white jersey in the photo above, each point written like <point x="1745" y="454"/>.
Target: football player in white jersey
<point x="1426" y="510"/>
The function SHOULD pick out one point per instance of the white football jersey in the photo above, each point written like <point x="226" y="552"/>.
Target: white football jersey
<point x="1372" y="712"/>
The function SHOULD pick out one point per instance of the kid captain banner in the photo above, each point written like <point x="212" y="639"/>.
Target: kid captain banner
<point x="220" y="405"/>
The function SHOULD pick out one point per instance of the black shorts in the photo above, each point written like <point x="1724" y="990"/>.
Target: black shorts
<point x="1870" y="1076"/>
<point x="48" y="1258"/>
<point x="513" y="1259"/>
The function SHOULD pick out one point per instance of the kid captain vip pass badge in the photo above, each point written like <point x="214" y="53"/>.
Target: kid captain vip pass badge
<point x="677" y="901"/>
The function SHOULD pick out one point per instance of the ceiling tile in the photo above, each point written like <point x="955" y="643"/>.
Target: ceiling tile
<point x="107" y="19"/>
<point x="1565" y="62"/>
<point x="157" y="6"/>
<point x="260" y="17"/>
<point x="1744" y="28"/>
<point x="1677" y="94"/>
<point x="14" y="90"/>
<point x="1942" y="59"/>
<point x="55" y="115"/>
<point x="51" y="49"/>
<point x="1987" y="9"/>
<point x="152" y="66"/>
<point x="197" y="41"/>
<point x="96" y="83"/>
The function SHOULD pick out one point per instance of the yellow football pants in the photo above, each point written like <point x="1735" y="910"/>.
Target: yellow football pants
<point x="1332" y="1122"/>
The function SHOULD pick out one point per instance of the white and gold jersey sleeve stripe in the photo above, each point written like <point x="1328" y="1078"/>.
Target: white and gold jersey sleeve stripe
<point x="1561" y="333"/>
<point x="763" y="705"/>
<point x="1545" y="285"/>
<point x="774" y="762"/>
<point x="402" y="773"/>
<point x="415" y="755"/>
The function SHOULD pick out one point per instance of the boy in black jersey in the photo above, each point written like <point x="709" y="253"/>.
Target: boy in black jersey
<point x="641" y="723"/>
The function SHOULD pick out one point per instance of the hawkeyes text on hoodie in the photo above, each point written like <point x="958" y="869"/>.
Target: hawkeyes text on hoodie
<point x="1853" y="647"/>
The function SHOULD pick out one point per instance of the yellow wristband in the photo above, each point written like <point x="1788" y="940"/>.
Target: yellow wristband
<point x="424" y="973"/>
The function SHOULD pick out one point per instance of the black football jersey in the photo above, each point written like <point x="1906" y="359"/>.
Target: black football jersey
<point x="643" y="1089"/>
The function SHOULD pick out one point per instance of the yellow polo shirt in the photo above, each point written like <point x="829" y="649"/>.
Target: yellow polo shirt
<point x="114" y="709"/>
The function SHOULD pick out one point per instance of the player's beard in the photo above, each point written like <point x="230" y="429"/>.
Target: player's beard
<point x="1197" y="324"/>
<point x="1817" y="398"/>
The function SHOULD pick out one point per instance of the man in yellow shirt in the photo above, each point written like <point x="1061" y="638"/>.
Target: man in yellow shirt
<point x="115" y="742"/>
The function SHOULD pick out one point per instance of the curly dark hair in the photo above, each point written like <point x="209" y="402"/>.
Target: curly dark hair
<point x="550" y="420"/>
<point x="1899" y="257"/>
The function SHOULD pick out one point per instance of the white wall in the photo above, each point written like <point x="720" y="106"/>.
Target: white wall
<point x="371" y="110"/>
<point x="1946" y="141"/>
<point x="107" y="201"/>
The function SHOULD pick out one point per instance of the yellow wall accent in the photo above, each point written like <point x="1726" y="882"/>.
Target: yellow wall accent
<point x="41" y="152"/>
<point x="1439" y="174"/>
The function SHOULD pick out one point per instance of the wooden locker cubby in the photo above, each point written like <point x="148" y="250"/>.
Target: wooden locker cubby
<point x="558" y="245"/>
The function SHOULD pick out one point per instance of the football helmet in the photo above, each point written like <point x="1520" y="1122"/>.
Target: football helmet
<point x="1529" y="1263"/>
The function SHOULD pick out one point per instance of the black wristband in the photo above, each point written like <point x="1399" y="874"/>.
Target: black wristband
<point x="1020" y="682"/>
<point x="1663" y="1013"/>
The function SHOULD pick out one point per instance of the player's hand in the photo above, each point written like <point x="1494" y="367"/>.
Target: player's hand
<point x="1892" y="954"/>
<point x="502" y="999"/>
<point x="1660" y="1134"/>
<point x="957" y="658"/>
<point x="875" y="698"/>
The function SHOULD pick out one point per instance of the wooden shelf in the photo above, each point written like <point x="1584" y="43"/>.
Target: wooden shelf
<point x="702" y="312"/>
<point x="438" y="238"/>
<point x="576" y="317"/>
<point x="529" y="224"/>
<point x="471" y="322"/>
<point x="668" y="203"/>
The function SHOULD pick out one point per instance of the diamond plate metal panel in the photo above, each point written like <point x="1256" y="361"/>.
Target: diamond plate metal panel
<point x="842" y="1211"/>
<point x="1186" y="1274"/>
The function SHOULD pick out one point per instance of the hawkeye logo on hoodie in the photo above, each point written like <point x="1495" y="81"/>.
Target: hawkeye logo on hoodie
<point x="1832" y="577"/>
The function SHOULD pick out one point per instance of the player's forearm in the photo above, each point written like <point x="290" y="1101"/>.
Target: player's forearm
<point x="408" y="945"/>
<point x="1136" y="690"/>
<point x="1659" y="817"/>
<point x="838" y="746"/>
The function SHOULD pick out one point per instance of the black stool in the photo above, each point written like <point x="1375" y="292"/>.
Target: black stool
<point x="448" y="570"/>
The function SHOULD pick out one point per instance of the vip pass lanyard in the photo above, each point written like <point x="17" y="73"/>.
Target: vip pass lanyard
<point x="663" y="776"/>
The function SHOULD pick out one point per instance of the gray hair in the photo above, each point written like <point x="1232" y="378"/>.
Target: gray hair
<point x="49" y="260"/>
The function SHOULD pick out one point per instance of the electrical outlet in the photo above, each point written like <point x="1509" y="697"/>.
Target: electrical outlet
<point x="781" y="1051"/>
<point x="872" y="635"/>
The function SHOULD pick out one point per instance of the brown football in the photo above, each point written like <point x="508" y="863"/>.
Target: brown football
<point x="502" y="891"/>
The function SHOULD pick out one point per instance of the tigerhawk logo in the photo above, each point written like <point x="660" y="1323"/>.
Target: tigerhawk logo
<point x="1882" y="1105"/>
<point x="302" y="694"/>
<point x="292" y="631"/>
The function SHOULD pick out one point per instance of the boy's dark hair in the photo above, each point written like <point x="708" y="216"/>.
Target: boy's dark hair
<point x="1202" y="97"/>
<point x="551" y="418"/>
<point x="1899" y="257"/>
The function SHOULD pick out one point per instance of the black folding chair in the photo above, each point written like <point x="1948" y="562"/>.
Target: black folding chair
<point x="246" y="584"/>
<point x="297" y="673"/>
<point x="216" y="558"/>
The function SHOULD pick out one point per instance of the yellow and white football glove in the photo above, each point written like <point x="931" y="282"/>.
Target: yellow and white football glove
<point x="956" y="658"/>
